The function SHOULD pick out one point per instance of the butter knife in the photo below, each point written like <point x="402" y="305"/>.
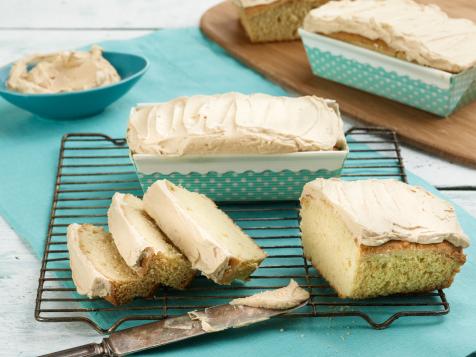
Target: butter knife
<point x="160" y="333"/>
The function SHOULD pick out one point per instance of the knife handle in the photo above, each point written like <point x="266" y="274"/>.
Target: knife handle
<point x="89" y="350"/>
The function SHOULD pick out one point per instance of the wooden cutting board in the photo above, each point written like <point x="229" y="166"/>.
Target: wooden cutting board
<point x="453" y="138"/>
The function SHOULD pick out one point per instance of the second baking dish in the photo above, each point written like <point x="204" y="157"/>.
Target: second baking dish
<point x="235" y="147"/>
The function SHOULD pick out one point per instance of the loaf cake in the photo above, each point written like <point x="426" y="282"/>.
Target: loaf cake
<point x="379" y="237"/>
<point x="274" y="20"/>
<point x="98" y="269"/>
<point x="417" y="33"/>
<point x="235" y="123"/>
<point x="210" y="240"/>
<point x="143" y="246"/>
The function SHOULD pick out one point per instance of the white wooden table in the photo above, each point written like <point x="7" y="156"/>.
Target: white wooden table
<point x="29" y="26"/>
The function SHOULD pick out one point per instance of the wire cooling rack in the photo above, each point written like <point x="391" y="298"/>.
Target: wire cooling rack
<point x="92" y="167"/>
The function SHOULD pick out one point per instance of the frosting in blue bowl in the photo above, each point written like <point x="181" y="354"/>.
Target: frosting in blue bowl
<point x="79" y="104"/>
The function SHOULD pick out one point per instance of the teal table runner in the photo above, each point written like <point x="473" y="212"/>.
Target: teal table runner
<point x="184" y="62"/>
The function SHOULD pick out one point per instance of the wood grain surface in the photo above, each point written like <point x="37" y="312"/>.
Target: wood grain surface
<point x="453" y="138"/>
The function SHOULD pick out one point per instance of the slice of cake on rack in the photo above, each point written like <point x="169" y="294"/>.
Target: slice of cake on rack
<point x="274" y="20"/>
<point x="210" y="240"/>
<point x="143" y="245"/>
<point x="98" y="269"/>
<point x="379" y="237"/>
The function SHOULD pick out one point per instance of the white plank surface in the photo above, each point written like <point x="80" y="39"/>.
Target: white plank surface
<point x="29" y="26"/>
<point x="20" y="333"/>
<point x="102" y="14"/>
<point x="15" y="44"/>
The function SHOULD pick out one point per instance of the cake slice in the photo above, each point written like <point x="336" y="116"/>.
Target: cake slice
<point x="274" y="20"/>
<point x="379" y="237"/>
<point x="98" y="269"/>
<point x="210" y="240"/>
<point x="143" y="245"/>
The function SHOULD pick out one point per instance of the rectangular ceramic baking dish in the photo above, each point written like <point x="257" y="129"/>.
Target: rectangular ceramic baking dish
<point x="426" y="88"/>
<point x="275" y="177"/>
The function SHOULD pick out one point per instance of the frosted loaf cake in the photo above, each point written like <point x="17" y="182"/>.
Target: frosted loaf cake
<point x="235" y="123"/>
<point x="210" y="240"/>
<point x="418" y="33"/>
<point x="143" y="246"/>
<point x="380" y="237"/>
<point x="232" y="146"/>
<point x="98" y="269"/>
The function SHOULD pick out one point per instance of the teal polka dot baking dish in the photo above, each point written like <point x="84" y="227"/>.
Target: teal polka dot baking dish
<point x="425" y="88"/>
<point x="227" y="177"/>
<point x="275" y="177"/>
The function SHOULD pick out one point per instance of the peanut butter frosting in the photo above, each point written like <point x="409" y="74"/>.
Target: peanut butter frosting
<point x="235" y="123"/>
<point x="280" y="299"/>
<point x="423" y="33"/>
<point x="251" y="3"/>
<point x="62" y="72"/>
<point x="378" y="211"/>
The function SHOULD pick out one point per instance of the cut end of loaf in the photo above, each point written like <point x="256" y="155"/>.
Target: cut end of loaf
<point x="359" y="271"/>
<point x="277" y="21"/>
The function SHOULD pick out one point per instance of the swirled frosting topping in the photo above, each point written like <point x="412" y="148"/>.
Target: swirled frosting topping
<point x="377" y="211"/>
<point x="235" y="123"/>
<point x="423" y="33"/>
<point x="62" y="72"/>
<point x="251" y="3"/>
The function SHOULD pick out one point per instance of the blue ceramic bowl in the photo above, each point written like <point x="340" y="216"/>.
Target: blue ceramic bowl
<point x="84" y="103"/>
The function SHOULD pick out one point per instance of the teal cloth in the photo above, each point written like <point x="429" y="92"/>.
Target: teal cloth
<point x="184" y="62"/>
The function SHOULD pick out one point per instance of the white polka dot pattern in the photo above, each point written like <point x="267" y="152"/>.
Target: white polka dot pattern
<point x="404" y="89"/>
<point x="246" y="186"/>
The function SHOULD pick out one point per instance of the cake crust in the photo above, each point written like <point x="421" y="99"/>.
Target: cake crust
<point x="444" y="261"/>
<point x="175" y="272"/>
<point x="445" y="248"/>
